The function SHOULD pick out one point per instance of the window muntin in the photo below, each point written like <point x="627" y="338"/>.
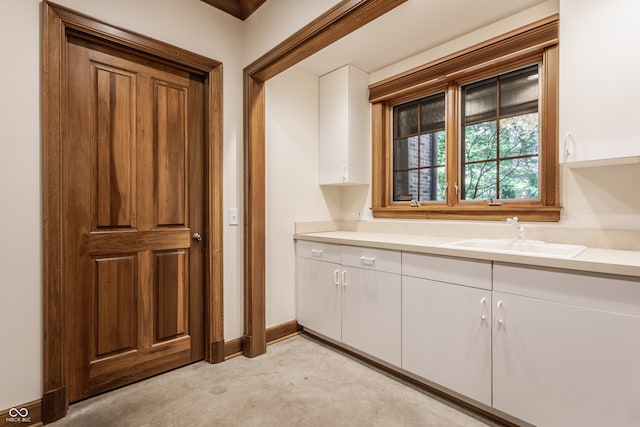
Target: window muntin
<point x="500" y="134"/>
<point x="419" y="150"/>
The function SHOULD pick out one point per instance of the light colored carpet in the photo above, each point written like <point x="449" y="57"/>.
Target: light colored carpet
<point x="299" y="382"/>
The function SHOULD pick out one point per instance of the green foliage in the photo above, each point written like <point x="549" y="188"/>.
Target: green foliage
<point x="501" y="159"/>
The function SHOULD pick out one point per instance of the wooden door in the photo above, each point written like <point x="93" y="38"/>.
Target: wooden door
<point x="133" y="195"/>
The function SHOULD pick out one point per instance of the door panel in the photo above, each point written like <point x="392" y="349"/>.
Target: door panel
<point x="133" y="195"/>
<point x="113" y="101"/>
<point x="114" y="304"/>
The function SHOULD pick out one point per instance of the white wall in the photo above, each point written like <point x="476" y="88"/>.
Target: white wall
<point x="20" y="218"/>
<point x="293" y="193"/>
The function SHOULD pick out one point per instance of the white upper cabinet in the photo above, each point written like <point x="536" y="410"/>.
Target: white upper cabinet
<point x="599" y="90"/>
<point x="344" y="127"/>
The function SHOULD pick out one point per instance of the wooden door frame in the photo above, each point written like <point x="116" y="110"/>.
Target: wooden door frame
<point x="57" y="21"/>
<point x="342" y="19"/>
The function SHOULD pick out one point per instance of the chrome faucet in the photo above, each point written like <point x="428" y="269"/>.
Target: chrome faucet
<point x="519" y="227"/>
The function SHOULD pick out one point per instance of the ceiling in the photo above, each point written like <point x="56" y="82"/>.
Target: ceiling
<point x="411" y="28"/>
<point x="241" y="9"/>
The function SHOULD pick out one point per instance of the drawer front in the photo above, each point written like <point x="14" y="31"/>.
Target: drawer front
<point x="447" y="269"/>
<point x="318" y="251"/>
<point x="599" y="292"/>
<point x="372" y="259"/>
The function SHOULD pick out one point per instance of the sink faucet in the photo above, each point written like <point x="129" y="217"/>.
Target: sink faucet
<point x="519" y="227"/>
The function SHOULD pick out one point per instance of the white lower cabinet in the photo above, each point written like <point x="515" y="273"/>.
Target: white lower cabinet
<point x="371" y="313"/>
<point x="356" y="301"/>
<point x="319" y="297"/>
<point x="566" y="350"/>
<point x="549" y="347"/>
<point x="446" y="324"/>
<point x="446" y="335"/>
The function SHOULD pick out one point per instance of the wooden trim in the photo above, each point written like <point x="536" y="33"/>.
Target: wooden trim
<point x="489" y="413"/>
<point x="342" y="19"/>
<point x="57" y="22"/>
<point x="533" y="36"/>
<point x="232" y="348"/>
<point x="33" y="415"/>
<point x="283" y="330"/>
<point x="274" y="334"/>
<point x="54" y="405"/>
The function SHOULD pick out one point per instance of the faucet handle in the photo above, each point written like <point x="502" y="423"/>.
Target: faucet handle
<point x="513" y="220"/>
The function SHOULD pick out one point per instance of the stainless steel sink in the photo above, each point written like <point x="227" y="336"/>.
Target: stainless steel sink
<point x="518" y="247"/>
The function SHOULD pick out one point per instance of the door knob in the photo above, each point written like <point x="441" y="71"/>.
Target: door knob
<point x="196" y="237"/>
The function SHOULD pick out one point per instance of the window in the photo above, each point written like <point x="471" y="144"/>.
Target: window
<point x="419" y="150"/>
<point x="471" y="136"/>
<point x="500" y="137"/>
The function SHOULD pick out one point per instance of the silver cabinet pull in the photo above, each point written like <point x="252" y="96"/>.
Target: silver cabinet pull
<point x="196" y="237"/>
<point x="368" y="261"/>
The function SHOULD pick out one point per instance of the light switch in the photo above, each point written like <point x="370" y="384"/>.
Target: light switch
<point x="233" y="216"/>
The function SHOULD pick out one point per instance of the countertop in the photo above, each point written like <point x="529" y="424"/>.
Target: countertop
<point x="592" y="260"/>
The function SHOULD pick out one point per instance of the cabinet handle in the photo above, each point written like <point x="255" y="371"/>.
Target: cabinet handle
<point x="500" y="314"/>
<point x="336" y="277"/>
<point x="483" y="315"/>
<point x="344" y="277"/>
<point x="569" y="142"/>
<point x="368" y="261"/>
<point x="317" y="253"/>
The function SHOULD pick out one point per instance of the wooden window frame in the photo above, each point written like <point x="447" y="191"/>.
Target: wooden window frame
<point x="537" y="42"/>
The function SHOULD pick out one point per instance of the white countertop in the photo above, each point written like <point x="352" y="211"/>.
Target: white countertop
<point x="593" y="260"/>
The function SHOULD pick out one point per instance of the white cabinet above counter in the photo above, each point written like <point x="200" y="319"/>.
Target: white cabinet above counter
<point x="344" y="127"/>
<point x="599" y="65"/>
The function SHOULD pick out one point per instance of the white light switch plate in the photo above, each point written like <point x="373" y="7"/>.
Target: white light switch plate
<point x="233" y="216"/>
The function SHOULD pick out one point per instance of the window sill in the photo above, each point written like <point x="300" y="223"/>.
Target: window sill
<point x="489" y="213"/>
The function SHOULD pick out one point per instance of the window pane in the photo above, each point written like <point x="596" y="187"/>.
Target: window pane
<point x="432" y="184"/>
<point x="401" y="186"/>
<point x="519" y="135"/>
<point x="432" y="149"/>
<point x="406" y="119"/>
<point x="519" y="92"/>
<point x="508" y="134"/>
<point x="519" y="178"/>
<point x="480" y="142"/>
<point x="405" y="153"/>
<point x="480" y="181"/>
<point x="480" y="101"/>
<point x="419" y="150"/>
<point x="432" y="113"/>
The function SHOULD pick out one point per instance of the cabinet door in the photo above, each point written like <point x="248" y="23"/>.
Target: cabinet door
<point x="319" y="296"/>
<point x="599" y="65"/>
<point x="371" y="313"/>
<point x="344" y="116"/>
<point x="562" y="365"/>
<point x="446" y="335"/>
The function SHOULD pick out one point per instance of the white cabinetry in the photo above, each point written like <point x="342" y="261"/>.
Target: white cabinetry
<point x="351" y="295"/>
<point x="344" y="127"/>
<point x="371" y="302"/>
<point x="319" y="290"/>
<point x="446" y="327"/>
<point x="566" y="348"/>
<point x="599" y="67"/>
